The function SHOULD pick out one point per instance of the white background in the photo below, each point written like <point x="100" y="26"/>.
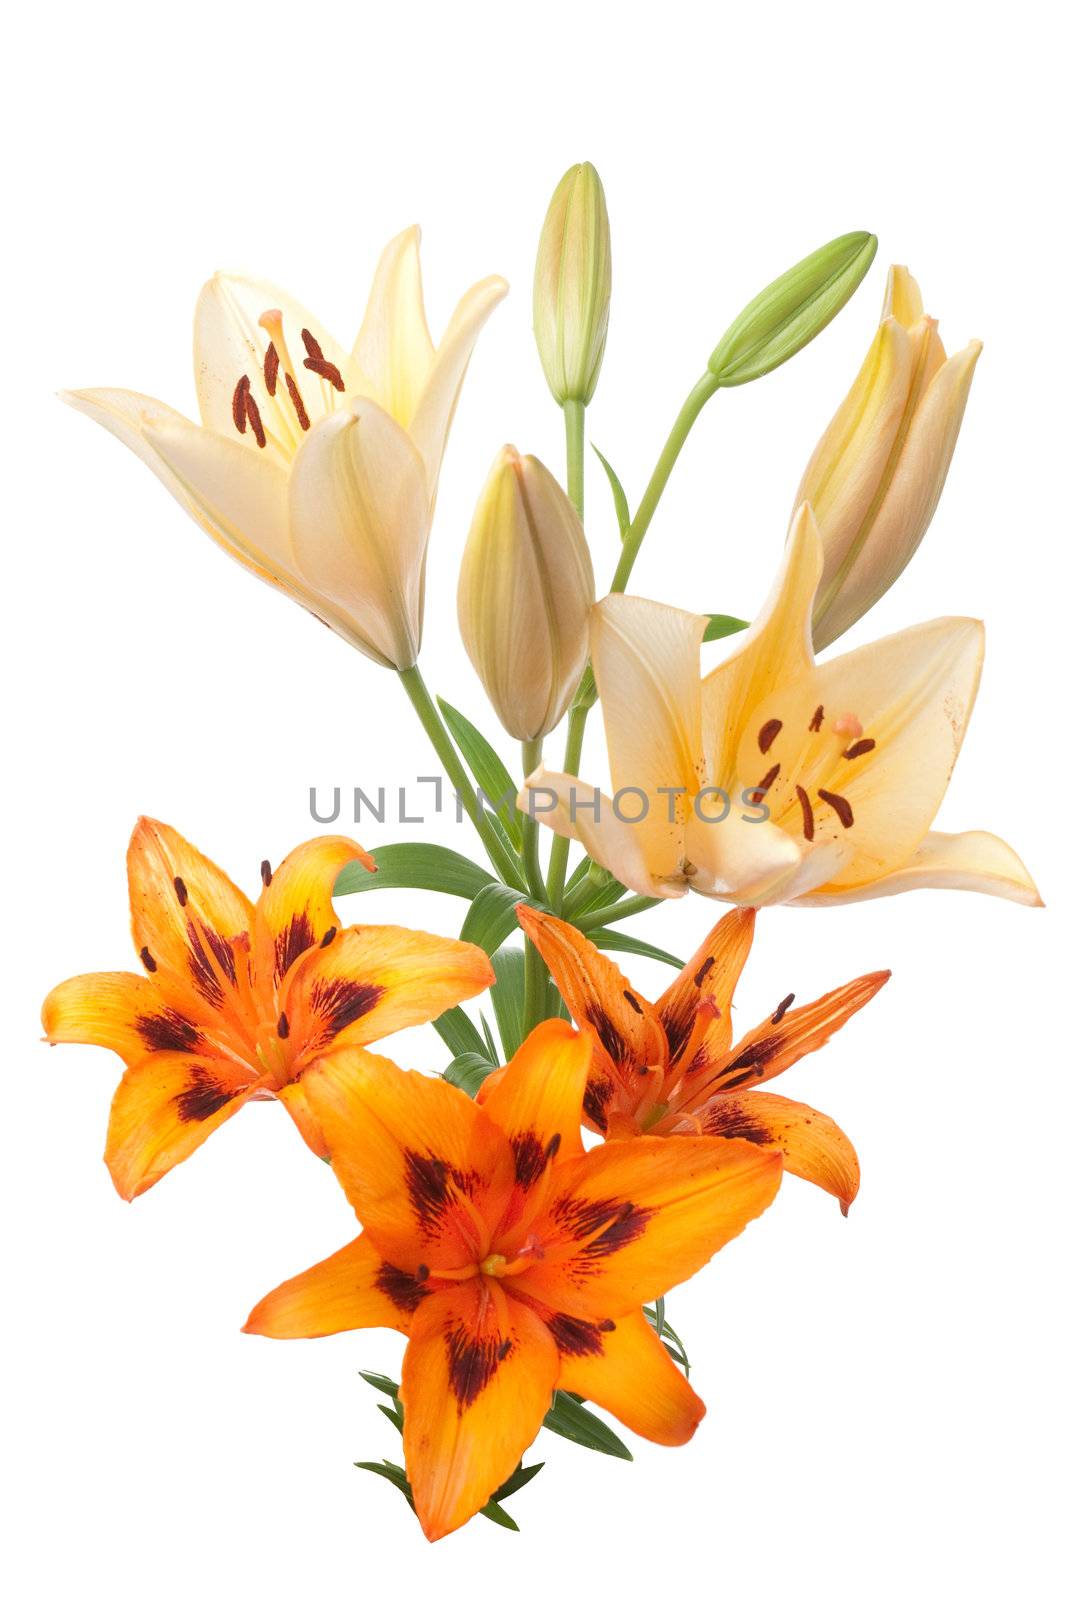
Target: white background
<point x="887" y="1395"/>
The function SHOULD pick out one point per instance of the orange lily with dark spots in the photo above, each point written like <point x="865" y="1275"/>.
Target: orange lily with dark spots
<point x="237" y="999"/>
<point x="672" y="1067"/>
<point x="516" y="1262"/>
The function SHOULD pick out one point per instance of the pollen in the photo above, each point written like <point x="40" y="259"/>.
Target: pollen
<point x="491" y="1266"/>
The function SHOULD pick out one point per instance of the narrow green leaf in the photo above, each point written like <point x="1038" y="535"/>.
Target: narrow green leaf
<point x="517" y="1480"/>
<point x="492" y="917"/>
<point x="459" y="1033"/>
<point x="556" y="1006"/>
<point x="490" y="771"/>
<point x="569" y="1418"/>
<point x="658" y="1321"/>
<point x="624" y="944"/>
<point x="467" y="1072"/>
<point x="507" y="998"/>
<point x="392" y="1473"/>
<point x="494" y="1513"/>
<point x="670" y="1338"/>
<point x="620" y="500"/>
<point x="392" y="1416"/>
<point x="489" y="1041"/>
<point x="383" y="1384"/>
<point x="416" y="866"/>
<point x="720" y="626"/>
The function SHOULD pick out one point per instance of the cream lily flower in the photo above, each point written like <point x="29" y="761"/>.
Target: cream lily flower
<point x="877" y="472"/>
<point x="851" y="757"/>
<point x="315" y="468"/>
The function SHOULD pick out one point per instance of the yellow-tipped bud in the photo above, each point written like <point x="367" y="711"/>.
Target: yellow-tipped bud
<point x="524" y="594"/>
<point x="572" y="285"/>
<point x="877" y="473"/>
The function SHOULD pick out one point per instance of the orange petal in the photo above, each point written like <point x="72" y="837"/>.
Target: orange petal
<point x="354" y="1288"/>
<point x="117" y="1010"/>
<point x="295" y="911"/>
<point x="812" y="1145"/>
<point x="711" y="975"/>
<point x="629" y="1041"/>
<point x="163" y="1109"/>
<point x="294" y="1098"/>
<point x="186" y="913"/>
<point x="421" y="1165"/>
<point x="477" y="1379"/>
<point x="780" y="1041"/>
<point x="372" y="981"/>
<point x="627" y="1221"/>
<point x="624" y="1367"/>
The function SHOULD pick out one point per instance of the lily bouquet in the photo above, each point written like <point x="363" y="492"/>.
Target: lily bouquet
<point x="524" y="1214"/>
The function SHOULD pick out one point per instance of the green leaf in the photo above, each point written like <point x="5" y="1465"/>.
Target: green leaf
<point x="392" y="1416"/>
<point x="624" y="944"/>
<point x="556" y="1006"/>
<point x="489" y="1041"/>
<point x="620" y="500"/>
<point x="507" y="998"/>
<point x="392" y="1473"/>
<point x="719" y="626"/>
<point x="490" y="771"/>
<point x="517" y="1480"/>
<point x="416" y="866"/>
<point x="459" y="1033"/>
<point x="467" y="1072"/>
<point x="494" y="1513"/>
<point x="383" y="1384"/>
<point x="569" y="1418"/>
<point x="492" y="917"/>
<point x="656" y="1316"/>
<point x="658" y="1321"/>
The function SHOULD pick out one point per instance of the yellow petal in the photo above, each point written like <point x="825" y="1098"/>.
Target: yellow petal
<point x="774" y="652"/>
<point x="630" y="1373"/>
<point x="977" y="861"/>
<point x="359" y="524"/>
<point x="903" y="297"/>
<point x="394" y="347"/>
<point x="576" y="810"/>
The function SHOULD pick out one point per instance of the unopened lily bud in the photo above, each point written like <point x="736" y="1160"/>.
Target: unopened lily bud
<point x="524" y="594"/>
<point x="792" y="310"/>
<point x="877" y="474"/>
<point x="572" y="285"/>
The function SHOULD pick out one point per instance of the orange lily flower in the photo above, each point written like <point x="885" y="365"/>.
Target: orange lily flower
<point x="238" y="999"/>
<point x="672" y="1067"/>
<point x="516" y="1262"/>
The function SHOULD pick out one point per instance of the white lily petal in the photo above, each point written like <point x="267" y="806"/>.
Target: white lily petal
<point x="229" y="343"/>
<point x="359" y="523"/>
<point x="739" y="858"/>
<point x="586" y="814"/>
<point x="394" y="347"/>
<point x="903" y="297"/>
<point x="976" y="861"/>
<point x="237" y="498"/>
<point x="434" y="413"/>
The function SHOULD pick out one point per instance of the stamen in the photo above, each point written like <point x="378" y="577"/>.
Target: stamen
<point x="633" y="1002"/>
<point x="768" y="733"/>
<point x="816" y="720"/>
<point x="860" y="748"/>
<point x="181" y="891"/>
<point x="271" y="369"/>
<point x="849" y="724"/>
<point x="282" y="1027"/>
<point x="606" y="1326"/>
<point x="422" y="1273"/>
<point x="328" y="936"/>
<point x="554" y="1144"/>
<point x="704" y="969"/>
<point x="782" y="1008"/>
<point x="808" y="812"/>
<point x="146" y="959"/>
<point x="241" y="389"/>
<point x="840" y="806"/>
<point x="769" y="780"/>
<point x="298" y="403"/>
<point x="316" y="362"/>
<point x="265" y="873"/>
<point x="252" y="411"/>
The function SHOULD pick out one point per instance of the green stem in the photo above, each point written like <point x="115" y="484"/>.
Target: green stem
<point x="574" y="453"/>
<point x="614" y="913"/>
<point x="704" y="389"/>
<point x="535" y="972"/>
<point x="504" y="862"/>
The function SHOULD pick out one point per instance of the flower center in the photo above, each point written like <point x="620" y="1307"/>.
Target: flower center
<point x="284" y="417"/>
<point x="820" y="758"/>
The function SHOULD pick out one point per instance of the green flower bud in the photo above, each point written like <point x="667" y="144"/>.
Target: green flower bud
<point x="792" y="310"/>
<point x="571" y="304"/>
